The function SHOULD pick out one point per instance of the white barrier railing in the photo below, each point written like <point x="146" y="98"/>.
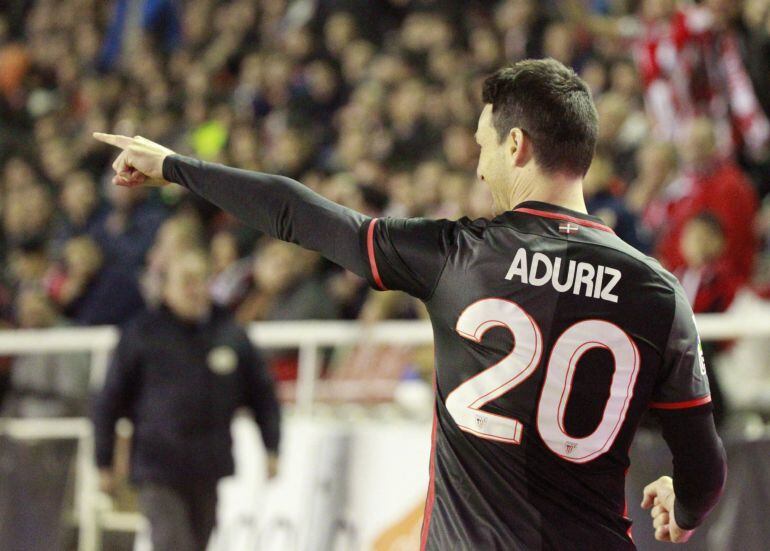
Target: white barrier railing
<point x="306" y="336"/>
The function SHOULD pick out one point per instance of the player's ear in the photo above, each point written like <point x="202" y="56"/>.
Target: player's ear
<point x="519" y="147"/>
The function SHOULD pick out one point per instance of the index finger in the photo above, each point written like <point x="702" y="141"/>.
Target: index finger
<point x="114" y="139"/>
<point x="649" y="493"/>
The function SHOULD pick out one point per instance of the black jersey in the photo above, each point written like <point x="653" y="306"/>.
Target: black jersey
<point x="552" y="338"/>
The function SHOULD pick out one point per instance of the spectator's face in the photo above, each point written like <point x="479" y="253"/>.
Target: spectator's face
<point x="176" y="235"/>
<point x="598" y="177"/>
<point x="699" y="146"/>
<point x="339" y="31"/>
<point x="224" y="251"/>
<point x="355" y="60"/>
<point x="756" y="12"/>
<point x="612" y="110"/>
<point x="656" y="160"/>
<point x="486" y="49"/>
<point x="701" y="243"/>
<point x="559" y="43"/>
<point x="78" y="197"/>
<point x="724" y="11"/>
<point x="514" y="14"/>
<point x="34" y="310"/>
<point x="322" y="82"/>
<point x="298" y="43"/>
<point x="17" y="174"/>
<point x="625" y="79"/>
<point x="657" y="10"/>
<point x="342" y="189"/>
<point x="458" y="147"/>
<point x="82" y="257"/>
<point x="28" y="266"/>
<point x="123" y="198"/>
<point x="27" y="211"/>
<point x="279" y="265"/>
<point x="56" y="159"/>
<point x="185" y="289"/>
<point x="595" y="76"/>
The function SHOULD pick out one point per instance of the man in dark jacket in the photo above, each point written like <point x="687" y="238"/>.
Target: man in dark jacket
<point x="179" y="373"/>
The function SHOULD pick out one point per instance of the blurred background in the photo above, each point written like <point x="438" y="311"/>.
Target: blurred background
<point x="374" y="105"/>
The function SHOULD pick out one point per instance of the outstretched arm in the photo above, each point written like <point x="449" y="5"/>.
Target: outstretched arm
<point x="279" y="206"/>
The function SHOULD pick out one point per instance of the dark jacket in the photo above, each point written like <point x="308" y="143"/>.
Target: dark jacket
<point x="180" y="384"/>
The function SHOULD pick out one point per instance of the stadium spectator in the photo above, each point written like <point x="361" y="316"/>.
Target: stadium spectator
<point x="708" y="279"/>
<point x="179" y="234"/>
<point x="691" y="61"/>
<point x="373" y="104"/>
<point x="651" y="193"/>
<point x="90" y="291"/>
<point x="601" y="188"/>
<point x="709" y="181"/>
<point x="81" y="209"/>
<point x="27" y="213"/>
<point x="126" y="233"/>
<point x="181" y="400"/>
<point x="27" y="264"/>
<point x="710" y="283"/>
<point x="156" y="19"/>
<point x="621" y="129"/>
<point x="283" y="290"/>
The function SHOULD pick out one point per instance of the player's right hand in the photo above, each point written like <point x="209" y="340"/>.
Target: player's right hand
<point x="659" y="497"/>
<point x="140" y="162"/>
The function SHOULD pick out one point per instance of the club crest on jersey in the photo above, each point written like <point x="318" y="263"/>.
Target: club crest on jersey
<point x="481" y="421"/>
<point x="581" y="278"/>
<point x="569" y="447"/>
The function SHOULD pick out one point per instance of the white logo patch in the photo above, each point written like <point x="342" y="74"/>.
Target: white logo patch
<point x="701" y="358"/>
<point x="222" y="360"/>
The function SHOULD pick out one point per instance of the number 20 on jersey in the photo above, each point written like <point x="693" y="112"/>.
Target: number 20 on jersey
<point x="465" y="402"/>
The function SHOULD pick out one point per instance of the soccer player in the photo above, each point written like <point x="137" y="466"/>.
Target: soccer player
<point x="552" y="336"/>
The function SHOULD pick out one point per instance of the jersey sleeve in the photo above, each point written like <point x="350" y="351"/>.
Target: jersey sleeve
<point x="405" y="254"/>
<point x="684" y="383"/>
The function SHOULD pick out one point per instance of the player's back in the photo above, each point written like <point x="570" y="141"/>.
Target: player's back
<point x="552" y="337"/>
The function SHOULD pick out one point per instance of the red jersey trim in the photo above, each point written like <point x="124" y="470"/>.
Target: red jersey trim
<point x="372" y="259"/>
<point x="427" y="513"/>
<point x="558" y="216"/>
<point x="682" y="405"/>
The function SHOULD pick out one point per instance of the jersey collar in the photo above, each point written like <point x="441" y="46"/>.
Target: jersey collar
<point x="555" y="212"/>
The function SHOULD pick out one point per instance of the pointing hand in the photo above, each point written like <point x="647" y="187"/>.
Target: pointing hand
<point x="140" y="162"/>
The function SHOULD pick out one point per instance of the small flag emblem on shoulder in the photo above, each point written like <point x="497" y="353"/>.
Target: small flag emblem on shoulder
<point x="568" y="227"/>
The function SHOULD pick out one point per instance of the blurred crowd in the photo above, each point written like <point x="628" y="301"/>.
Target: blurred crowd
<point x="374" y="105"/>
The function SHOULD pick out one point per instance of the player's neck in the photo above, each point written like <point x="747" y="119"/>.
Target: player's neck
<point x="557" y="190"/>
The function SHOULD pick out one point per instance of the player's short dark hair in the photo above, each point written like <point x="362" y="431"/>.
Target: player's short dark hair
<point x="552" y="106"/>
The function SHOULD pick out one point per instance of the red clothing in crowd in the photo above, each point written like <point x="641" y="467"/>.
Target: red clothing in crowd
<point x="725" y="192"/>
<point x="689" y="70"/>
<point x="710" y="289"/>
